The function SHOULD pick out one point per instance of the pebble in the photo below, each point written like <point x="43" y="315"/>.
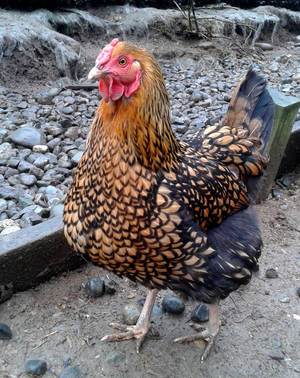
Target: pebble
<point x="110" y="286"/>
<point x="264" y="46"/>
<point x="27" y="179"/>
<point x="36" y="367"/>
<point x="41" y="161"/>
<point x="10" y="229"/>
<point x="40" y="148"/>
<point x="113" y="358"/>
<point x="130" y="314"/>
<point x="71" y="372"/>
<point x="276" y="355"/>
<point x="156" y="310"/>
<point x="3" y="205"/>
<point x="286" y="181"/>
<point x="52" y="192"/>
<point x="95" y="287"/>
<point x="5" y="332"/>
<point x="25" y="166"/>
<point x="173" y="305"/>
<point x="271" y="273"/>
<point x="75" y="159"/>
<point x="57" y="210"/>
<point x="284" y="300"/>
<point x="27" y="137"/>
<point x="298" y="291"/>
<point x="207" y="45"/>
<point x="200" y="313"/>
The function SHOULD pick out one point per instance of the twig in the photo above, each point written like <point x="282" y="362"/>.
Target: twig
<point x="195" y="19"/>
<point x="181" y="10"/>
<point x="44" y="342"/>
<point x="244" y="318"/>
<point x="81" y="86"/>
<point x="44" y="339"/>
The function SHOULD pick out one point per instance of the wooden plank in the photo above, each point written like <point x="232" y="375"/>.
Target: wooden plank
<point x="33" y="255"/>
<point x="286" y="108"/>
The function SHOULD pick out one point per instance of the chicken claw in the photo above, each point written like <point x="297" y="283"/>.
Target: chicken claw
<point x="207" y="335"/>
<point x="140" y="330"/>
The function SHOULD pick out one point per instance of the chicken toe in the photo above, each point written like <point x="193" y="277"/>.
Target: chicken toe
<point x="140" y="330"/>
<point x="208" y="335"/>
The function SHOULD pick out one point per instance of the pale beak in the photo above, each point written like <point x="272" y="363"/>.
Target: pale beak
<point x="96" y="73"/>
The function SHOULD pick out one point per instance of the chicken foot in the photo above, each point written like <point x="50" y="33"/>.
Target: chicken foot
<point x="140" y="330"/>
<point x="208" y="335"/>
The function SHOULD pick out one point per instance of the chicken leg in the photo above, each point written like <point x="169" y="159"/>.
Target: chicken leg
<point x="208" y="334"/>
<point x="140" y="330"/>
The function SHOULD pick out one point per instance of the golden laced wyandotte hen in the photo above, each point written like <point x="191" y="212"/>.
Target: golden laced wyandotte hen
<point x="160" y="212"/>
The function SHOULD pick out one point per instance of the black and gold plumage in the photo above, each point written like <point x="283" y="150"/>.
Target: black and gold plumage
<point x="164" y="213"/>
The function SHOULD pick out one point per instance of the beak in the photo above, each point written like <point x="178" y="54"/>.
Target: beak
<point x="96" y="73"/>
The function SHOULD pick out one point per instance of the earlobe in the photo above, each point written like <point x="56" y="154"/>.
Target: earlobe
<point x="131" y="88"/>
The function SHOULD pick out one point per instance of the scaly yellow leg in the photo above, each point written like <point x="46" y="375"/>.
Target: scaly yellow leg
<point x="140" y="330"/>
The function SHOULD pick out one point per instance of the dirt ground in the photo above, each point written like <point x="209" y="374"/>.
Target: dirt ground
<point x="59" y="323"/>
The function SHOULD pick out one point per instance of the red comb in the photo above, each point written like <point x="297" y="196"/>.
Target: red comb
<point x="105" y="54"/>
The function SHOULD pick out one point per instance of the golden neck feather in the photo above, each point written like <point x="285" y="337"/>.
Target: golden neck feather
<point x="142" y="122"/>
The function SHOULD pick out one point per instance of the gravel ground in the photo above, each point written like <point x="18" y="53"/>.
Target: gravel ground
<point x="42" y="137"/>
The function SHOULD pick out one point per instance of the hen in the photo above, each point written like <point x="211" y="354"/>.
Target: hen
<point x="161" y="212"/>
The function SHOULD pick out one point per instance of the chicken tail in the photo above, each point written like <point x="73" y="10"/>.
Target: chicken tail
<point x="240" y="140"/>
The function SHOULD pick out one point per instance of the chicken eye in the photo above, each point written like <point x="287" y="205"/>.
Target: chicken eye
<point x="122" y="61"/>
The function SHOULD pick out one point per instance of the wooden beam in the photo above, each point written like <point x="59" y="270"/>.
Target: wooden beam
<point x="286" y="108"/>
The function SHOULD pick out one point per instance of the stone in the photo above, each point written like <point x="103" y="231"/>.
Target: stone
<point x="197" y="95"/>
<point x="277" y="193"/>
<point x="53" y="143"/>
<point x="27" y="179"/>
<point x="207" y="45"/>
<point x="298" y="291"/>
<point x="36" y="367"/>
<point x="296" y="76"/>
<point x="130" y="314"/>
<point x="27" y="137"/>
<point x="37" y="172"/>
<point x="274" y="67"/>
<point x="52" y="192"/>
<point x="24" y="166"/>
<point x="10" y="229"/>
<point x="68" y="110"/>
<point x="76" y="158"/>
<point x="24" y="201"/>
<point x="8" y="193"/>
<point x="13" y="162"/>
<point x="114" y="357"/>
<point x="53" y="129"/>
<point x="276" y="355"/>
<point x="10" y="172"/>
<point x="69" y="100"/>
<point x="271" y="273"/>
<point x="94" y="287"/>
<point x="284" y="300"/>
<point x="200" y="313"/>
<point x="41" y="161"/>
<point x="57" y="210"/>
<point x="5" y="332"/>
<point x="71" y="372"/>
<point x="72" y="133"/>
<point x="40" y="148"/>
<point x="45" y="98"/>
<point x="173" y="305"/>
<point x="3" y="205"/>
<point x="110" y="286"/>
<point x="264" y="46"/>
